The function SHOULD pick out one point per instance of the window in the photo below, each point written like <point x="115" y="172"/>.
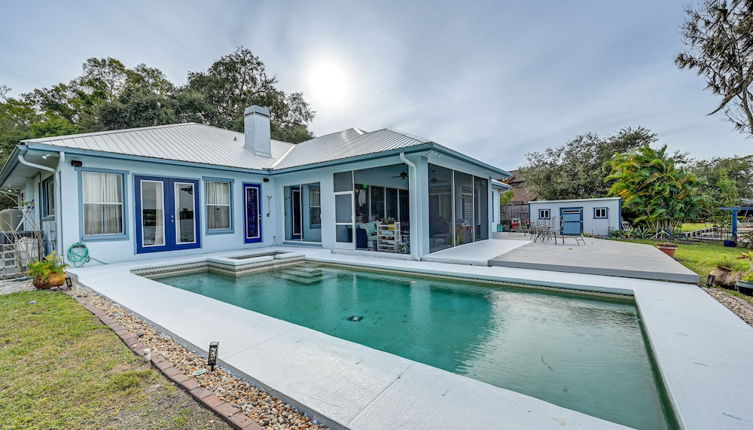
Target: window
<point x="601" y="213"/>
<point x="48" y="197"/>
<point x="102" y="198"/>
<point x="219" y="206"/>
<point x="315" y="207"/>
<point x="545" y="214"/>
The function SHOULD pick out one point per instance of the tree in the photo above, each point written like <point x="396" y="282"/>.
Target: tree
<point x="719" y="46"/>
<point x="577" y="169"/>
<point x="651" y="185"/>
<point x="737" y="170"/>
<point x="109" y="96"/>
<point x="239" y="80"/>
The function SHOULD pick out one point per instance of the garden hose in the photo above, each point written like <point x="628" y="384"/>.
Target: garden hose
<point x="78" y="255"/>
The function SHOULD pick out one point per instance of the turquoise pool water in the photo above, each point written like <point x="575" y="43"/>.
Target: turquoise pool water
<point x="582" y="353"/>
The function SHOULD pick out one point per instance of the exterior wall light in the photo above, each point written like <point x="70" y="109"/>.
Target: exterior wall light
<point x="212" y="355"/>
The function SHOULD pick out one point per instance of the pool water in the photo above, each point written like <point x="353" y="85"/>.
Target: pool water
<point x="582" y="353"/>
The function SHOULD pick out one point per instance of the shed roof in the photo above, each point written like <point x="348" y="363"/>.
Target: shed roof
<point x="599" y="199"/>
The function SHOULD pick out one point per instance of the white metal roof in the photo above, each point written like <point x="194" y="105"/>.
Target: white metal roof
<point x="347" y="143"/>
<point x="189" y="142"/>
<point x="199" y="143"/>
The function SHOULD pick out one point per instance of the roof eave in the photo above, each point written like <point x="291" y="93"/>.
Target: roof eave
<point x="10" y="164"/>
<point x="115" y="155"/>
<point x="452" y="152"/>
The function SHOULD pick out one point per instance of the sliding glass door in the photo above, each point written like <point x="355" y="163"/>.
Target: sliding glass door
<point x="303" y="213"/>
<point x="166" y="214"/>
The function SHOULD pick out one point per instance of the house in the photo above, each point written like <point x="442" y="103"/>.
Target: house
<point x="573" y="217"/>
<point x="190" y="188"/>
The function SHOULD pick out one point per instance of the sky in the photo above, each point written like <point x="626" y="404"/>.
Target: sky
<point x="494" y="80"/>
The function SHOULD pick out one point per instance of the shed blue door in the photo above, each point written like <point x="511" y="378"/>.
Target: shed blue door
<point x="572" y="221"/>
<point x="167" y="214"/>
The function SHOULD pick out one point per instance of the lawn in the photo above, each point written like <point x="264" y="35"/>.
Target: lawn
<point x="62" y="368"/>
<point x="692" y="226"/>
<point x="702" y="257"/>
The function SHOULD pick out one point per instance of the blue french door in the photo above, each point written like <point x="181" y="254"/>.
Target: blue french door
<point x="167" y="214"/>
<point x="252" y="210"/>
<point x="572" y="221"/>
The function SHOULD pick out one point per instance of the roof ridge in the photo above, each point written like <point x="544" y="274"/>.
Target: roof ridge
<point x="412" y="136"/>
<point x="104" y="132"/>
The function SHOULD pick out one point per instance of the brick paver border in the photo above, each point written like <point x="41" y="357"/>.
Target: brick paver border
<point x="207" y="398"/>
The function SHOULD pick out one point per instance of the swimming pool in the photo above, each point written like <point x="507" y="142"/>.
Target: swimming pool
<point x="579" y="352"/>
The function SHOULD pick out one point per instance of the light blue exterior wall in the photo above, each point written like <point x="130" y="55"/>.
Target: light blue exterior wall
<point x="69" y="207"/>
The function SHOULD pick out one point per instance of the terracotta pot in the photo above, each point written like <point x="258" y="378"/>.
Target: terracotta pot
<point x="669" y="250"/>
<point x="53" y="280"/>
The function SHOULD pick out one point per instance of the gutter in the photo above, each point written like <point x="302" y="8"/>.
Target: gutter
<point x="57" y="175"/>
<point x="273" y="171"/>
<point x="413" y="214"/>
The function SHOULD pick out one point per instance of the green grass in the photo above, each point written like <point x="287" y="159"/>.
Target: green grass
<point x="61" y="368"/>
<point x="691" y="226"/>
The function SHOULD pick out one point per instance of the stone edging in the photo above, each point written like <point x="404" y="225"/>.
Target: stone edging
<point x="208" y="399"/>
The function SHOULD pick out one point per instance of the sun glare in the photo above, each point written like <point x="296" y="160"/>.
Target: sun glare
<point x="328" y="83"/>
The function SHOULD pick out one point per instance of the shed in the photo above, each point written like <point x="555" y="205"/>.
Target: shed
<point x="578" y="216"/>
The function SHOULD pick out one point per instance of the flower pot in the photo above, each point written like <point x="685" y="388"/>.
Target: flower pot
<point x="53" y="280"/>
<point x="667" y="248"/>
<point x="745" y="287"/>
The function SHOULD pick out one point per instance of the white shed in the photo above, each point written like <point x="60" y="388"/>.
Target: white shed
<point x="578" y="216"/>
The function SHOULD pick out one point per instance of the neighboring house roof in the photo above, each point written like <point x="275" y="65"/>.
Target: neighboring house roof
<point x="520" y="192"/>
<point x="203" y="144"/>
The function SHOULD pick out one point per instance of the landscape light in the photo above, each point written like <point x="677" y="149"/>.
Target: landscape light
<point x="212" y="355"/>
<point x="68" y="282"/>
<point x="710" y="280"/>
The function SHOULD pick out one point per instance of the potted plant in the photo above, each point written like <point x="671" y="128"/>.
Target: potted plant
<point x="745" y="285"/>
<point x="668" y="248"/>
<point x="48" y="272"/>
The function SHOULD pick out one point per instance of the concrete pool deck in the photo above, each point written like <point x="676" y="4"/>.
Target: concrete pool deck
<point x="702" y="352"/>
<point x="596" y="257"/>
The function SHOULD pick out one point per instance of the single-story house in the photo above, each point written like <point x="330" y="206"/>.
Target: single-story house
<point x="578" y="216"/>
<point x="192" y="188"/>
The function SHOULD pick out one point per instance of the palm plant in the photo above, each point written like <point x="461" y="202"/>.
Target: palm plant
<point x="652" y="186"/>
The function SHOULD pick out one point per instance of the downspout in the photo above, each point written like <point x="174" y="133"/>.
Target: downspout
<point x="413" y="215"/>
<point x="58" y="191"/>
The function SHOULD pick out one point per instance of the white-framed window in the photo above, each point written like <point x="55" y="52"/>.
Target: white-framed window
<point x="315" y="207"/>
<point x="219" y="206"/>
<point x="601" y="213"/>
<point x="48" y="197"/>
<point x="102" y="199"/>
<point x="545" y="213"/>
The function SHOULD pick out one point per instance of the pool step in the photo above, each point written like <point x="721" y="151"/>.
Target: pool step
<point x="298" y="279"/>
<point x="304" y="272"/>
<point x="301" y="274"/>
